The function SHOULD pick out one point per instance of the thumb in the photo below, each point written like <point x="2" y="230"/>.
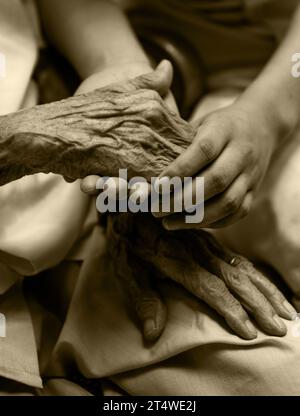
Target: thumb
<point x="158" y="80"/>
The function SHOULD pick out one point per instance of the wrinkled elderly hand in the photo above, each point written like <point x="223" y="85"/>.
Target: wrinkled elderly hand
<point x="142" y="249"/>
<point x="125" y="125"/>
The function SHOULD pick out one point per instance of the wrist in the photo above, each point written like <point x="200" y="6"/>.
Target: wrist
<point x="277" y="119"/>
<point x="113" y="74"/>
<point x="276" y="106"/>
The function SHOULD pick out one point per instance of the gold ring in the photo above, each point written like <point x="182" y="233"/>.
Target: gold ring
<point x="235" y="261"/>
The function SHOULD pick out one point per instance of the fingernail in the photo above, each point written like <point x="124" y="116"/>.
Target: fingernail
<point x="162" y="64"/>
<point x="158" y="214"/>
<point x="251" y="327"/>
<point x="149" y="328"/>
<point x="279" y="323"/>
<point x="168" y="225"/>
<point x="289" y="308"/>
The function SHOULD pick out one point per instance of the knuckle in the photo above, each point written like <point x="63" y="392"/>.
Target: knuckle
<point x="249" y="154"/>
<point x="154" y="110"/>
<point x="180" y="167"/>
<point x="235" y="312"/>
<point x="244" y="211"/>
<point x="219" y="182"/>
<point x="235" y="280"/>
<point x="274" y="293"/>
<point x="208" y="149"/>
<point x="231" y="203"/>
<point x="215" y="288"/>
<point x="154" y="95"/>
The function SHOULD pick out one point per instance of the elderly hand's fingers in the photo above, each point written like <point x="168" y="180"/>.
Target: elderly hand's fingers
<point x="182" y="268"/>
<point x="88" y="185"/>
<point x="135" y="276"/>
<point x="243" y="289"/>
<point x="116" y="188"/>
<point x="150" y="308"/>
<point x="270" y="291"/>
<point x="212" y="291"/>
<point x="178" y="221"/>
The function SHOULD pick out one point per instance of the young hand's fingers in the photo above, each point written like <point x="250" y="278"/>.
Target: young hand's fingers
<point x="269" y="290"/>
<point x="240" y="214"/>
<point x="203" y="150"/>
<point x="179" y="196"/>
<point x="218" y="177"/>
<point x="223" y="172"/>
<point x="244" y="290"/>
<point x="178" y="221"/>
<point x="229" y="207"/>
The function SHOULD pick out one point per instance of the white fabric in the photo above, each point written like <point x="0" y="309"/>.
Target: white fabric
<point x="41" y="215"/>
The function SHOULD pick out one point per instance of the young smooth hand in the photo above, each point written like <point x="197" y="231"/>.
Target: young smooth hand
<point x="232" y="150"/>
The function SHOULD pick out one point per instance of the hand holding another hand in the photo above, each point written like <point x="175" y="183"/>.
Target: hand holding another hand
<point x="231" y="151"/>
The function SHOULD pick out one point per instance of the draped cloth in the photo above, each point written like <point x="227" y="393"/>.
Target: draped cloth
<point x="41" y="216"/>
<point x="49" y="230"/>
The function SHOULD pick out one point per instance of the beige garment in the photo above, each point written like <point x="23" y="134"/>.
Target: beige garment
<point x="271" y="232"/>
<point x="97" y="333"/>
<point x="41" y="216"/>
<point x="231" y="39"/>
<point x="197" y="353"/>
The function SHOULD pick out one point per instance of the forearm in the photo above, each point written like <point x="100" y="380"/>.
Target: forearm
<point x="276" y="91"/>
<point x="95" y="133"/>
<point x="91" y="34"/>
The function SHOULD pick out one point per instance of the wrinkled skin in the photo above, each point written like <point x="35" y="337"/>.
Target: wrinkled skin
<point x="129" y="125"/>
<point x="120" y="126"/>
<point x="142" y="249"/>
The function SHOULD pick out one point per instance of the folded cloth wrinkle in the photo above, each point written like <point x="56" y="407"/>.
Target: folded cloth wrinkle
<point x="41" y="216"/>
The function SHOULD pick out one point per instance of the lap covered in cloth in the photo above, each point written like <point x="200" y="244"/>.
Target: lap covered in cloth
<point x="57" y="329"/>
